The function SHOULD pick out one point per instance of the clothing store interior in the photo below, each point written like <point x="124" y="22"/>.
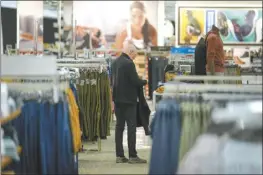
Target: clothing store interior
<point x="191" y="102"/>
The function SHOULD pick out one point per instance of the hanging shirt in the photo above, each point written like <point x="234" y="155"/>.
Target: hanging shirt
<point x="74" y="121"/>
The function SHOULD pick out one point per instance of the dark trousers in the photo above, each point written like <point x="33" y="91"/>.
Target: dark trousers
<point x="125" y="113"/>
<point x="156" y="73"/>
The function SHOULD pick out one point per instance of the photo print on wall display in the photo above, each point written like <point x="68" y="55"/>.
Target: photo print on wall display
<point x="242" y="26"/>
<point x="238" y="26"/>
<point x="192" y="24"/>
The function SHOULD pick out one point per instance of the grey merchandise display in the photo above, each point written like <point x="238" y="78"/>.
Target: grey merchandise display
<point x="219" y="155"/>
<point x="195" y="118"/>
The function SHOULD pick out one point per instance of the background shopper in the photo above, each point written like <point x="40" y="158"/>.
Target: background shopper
<point x="215" y="58"/>
<point x="125" y="82"/>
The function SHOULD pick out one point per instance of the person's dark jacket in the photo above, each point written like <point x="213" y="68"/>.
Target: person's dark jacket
<point x="143" y="112"/>
<point x="200" y="57"/>
<point x="125" y="80"/>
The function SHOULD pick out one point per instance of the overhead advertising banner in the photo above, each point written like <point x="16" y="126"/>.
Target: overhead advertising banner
<point x="107" y="24"/>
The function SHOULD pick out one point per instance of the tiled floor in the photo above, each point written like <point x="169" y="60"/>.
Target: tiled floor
<point x="104" y="162"/>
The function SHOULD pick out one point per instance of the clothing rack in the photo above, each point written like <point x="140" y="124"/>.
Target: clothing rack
<point x="120" y="50"/>
<point x="208" y="78"/>
<point x="26" y="73"/>
<point x="175" y="87"/>
<point x="80" y="63"/>
<point x="191" y="108"/>
<point x="19" y="69"/>
<point x="28" y="65"/>
<point x="220" y="78"/>
<point x="99" y="63"/>
<point x="170" y="87"/>
<point x="23" y="73"/>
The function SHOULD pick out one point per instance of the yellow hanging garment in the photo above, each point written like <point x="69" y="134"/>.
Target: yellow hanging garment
<point x="12" y="116"/>
<point x="74" y="121"/>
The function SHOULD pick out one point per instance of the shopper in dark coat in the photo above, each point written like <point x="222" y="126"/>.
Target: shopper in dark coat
<point x="125" y="84"/>
<point x="200" y="57"/>
<point x="143" y="112"/>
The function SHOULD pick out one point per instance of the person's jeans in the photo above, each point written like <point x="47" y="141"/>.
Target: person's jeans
<point x="125" y="113"/>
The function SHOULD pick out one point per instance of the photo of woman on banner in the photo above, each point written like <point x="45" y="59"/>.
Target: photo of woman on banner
<point x="138" y="29"/>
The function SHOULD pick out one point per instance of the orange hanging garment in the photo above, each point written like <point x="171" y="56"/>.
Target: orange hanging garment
<point x="74" y="121"/>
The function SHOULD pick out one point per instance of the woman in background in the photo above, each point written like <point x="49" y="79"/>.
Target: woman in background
<point x="138" y="30"/>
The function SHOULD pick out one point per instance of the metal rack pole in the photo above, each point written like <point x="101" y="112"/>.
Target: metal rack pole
<point x="1" y="52"/>
<point x="1" y="40"/>
<point x="36" y="24"/>
<point x="59" y="28"/>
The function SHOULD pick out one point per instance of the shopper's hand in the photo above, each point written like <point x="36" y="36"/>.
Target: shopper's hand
<point x="144" y="82"/>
